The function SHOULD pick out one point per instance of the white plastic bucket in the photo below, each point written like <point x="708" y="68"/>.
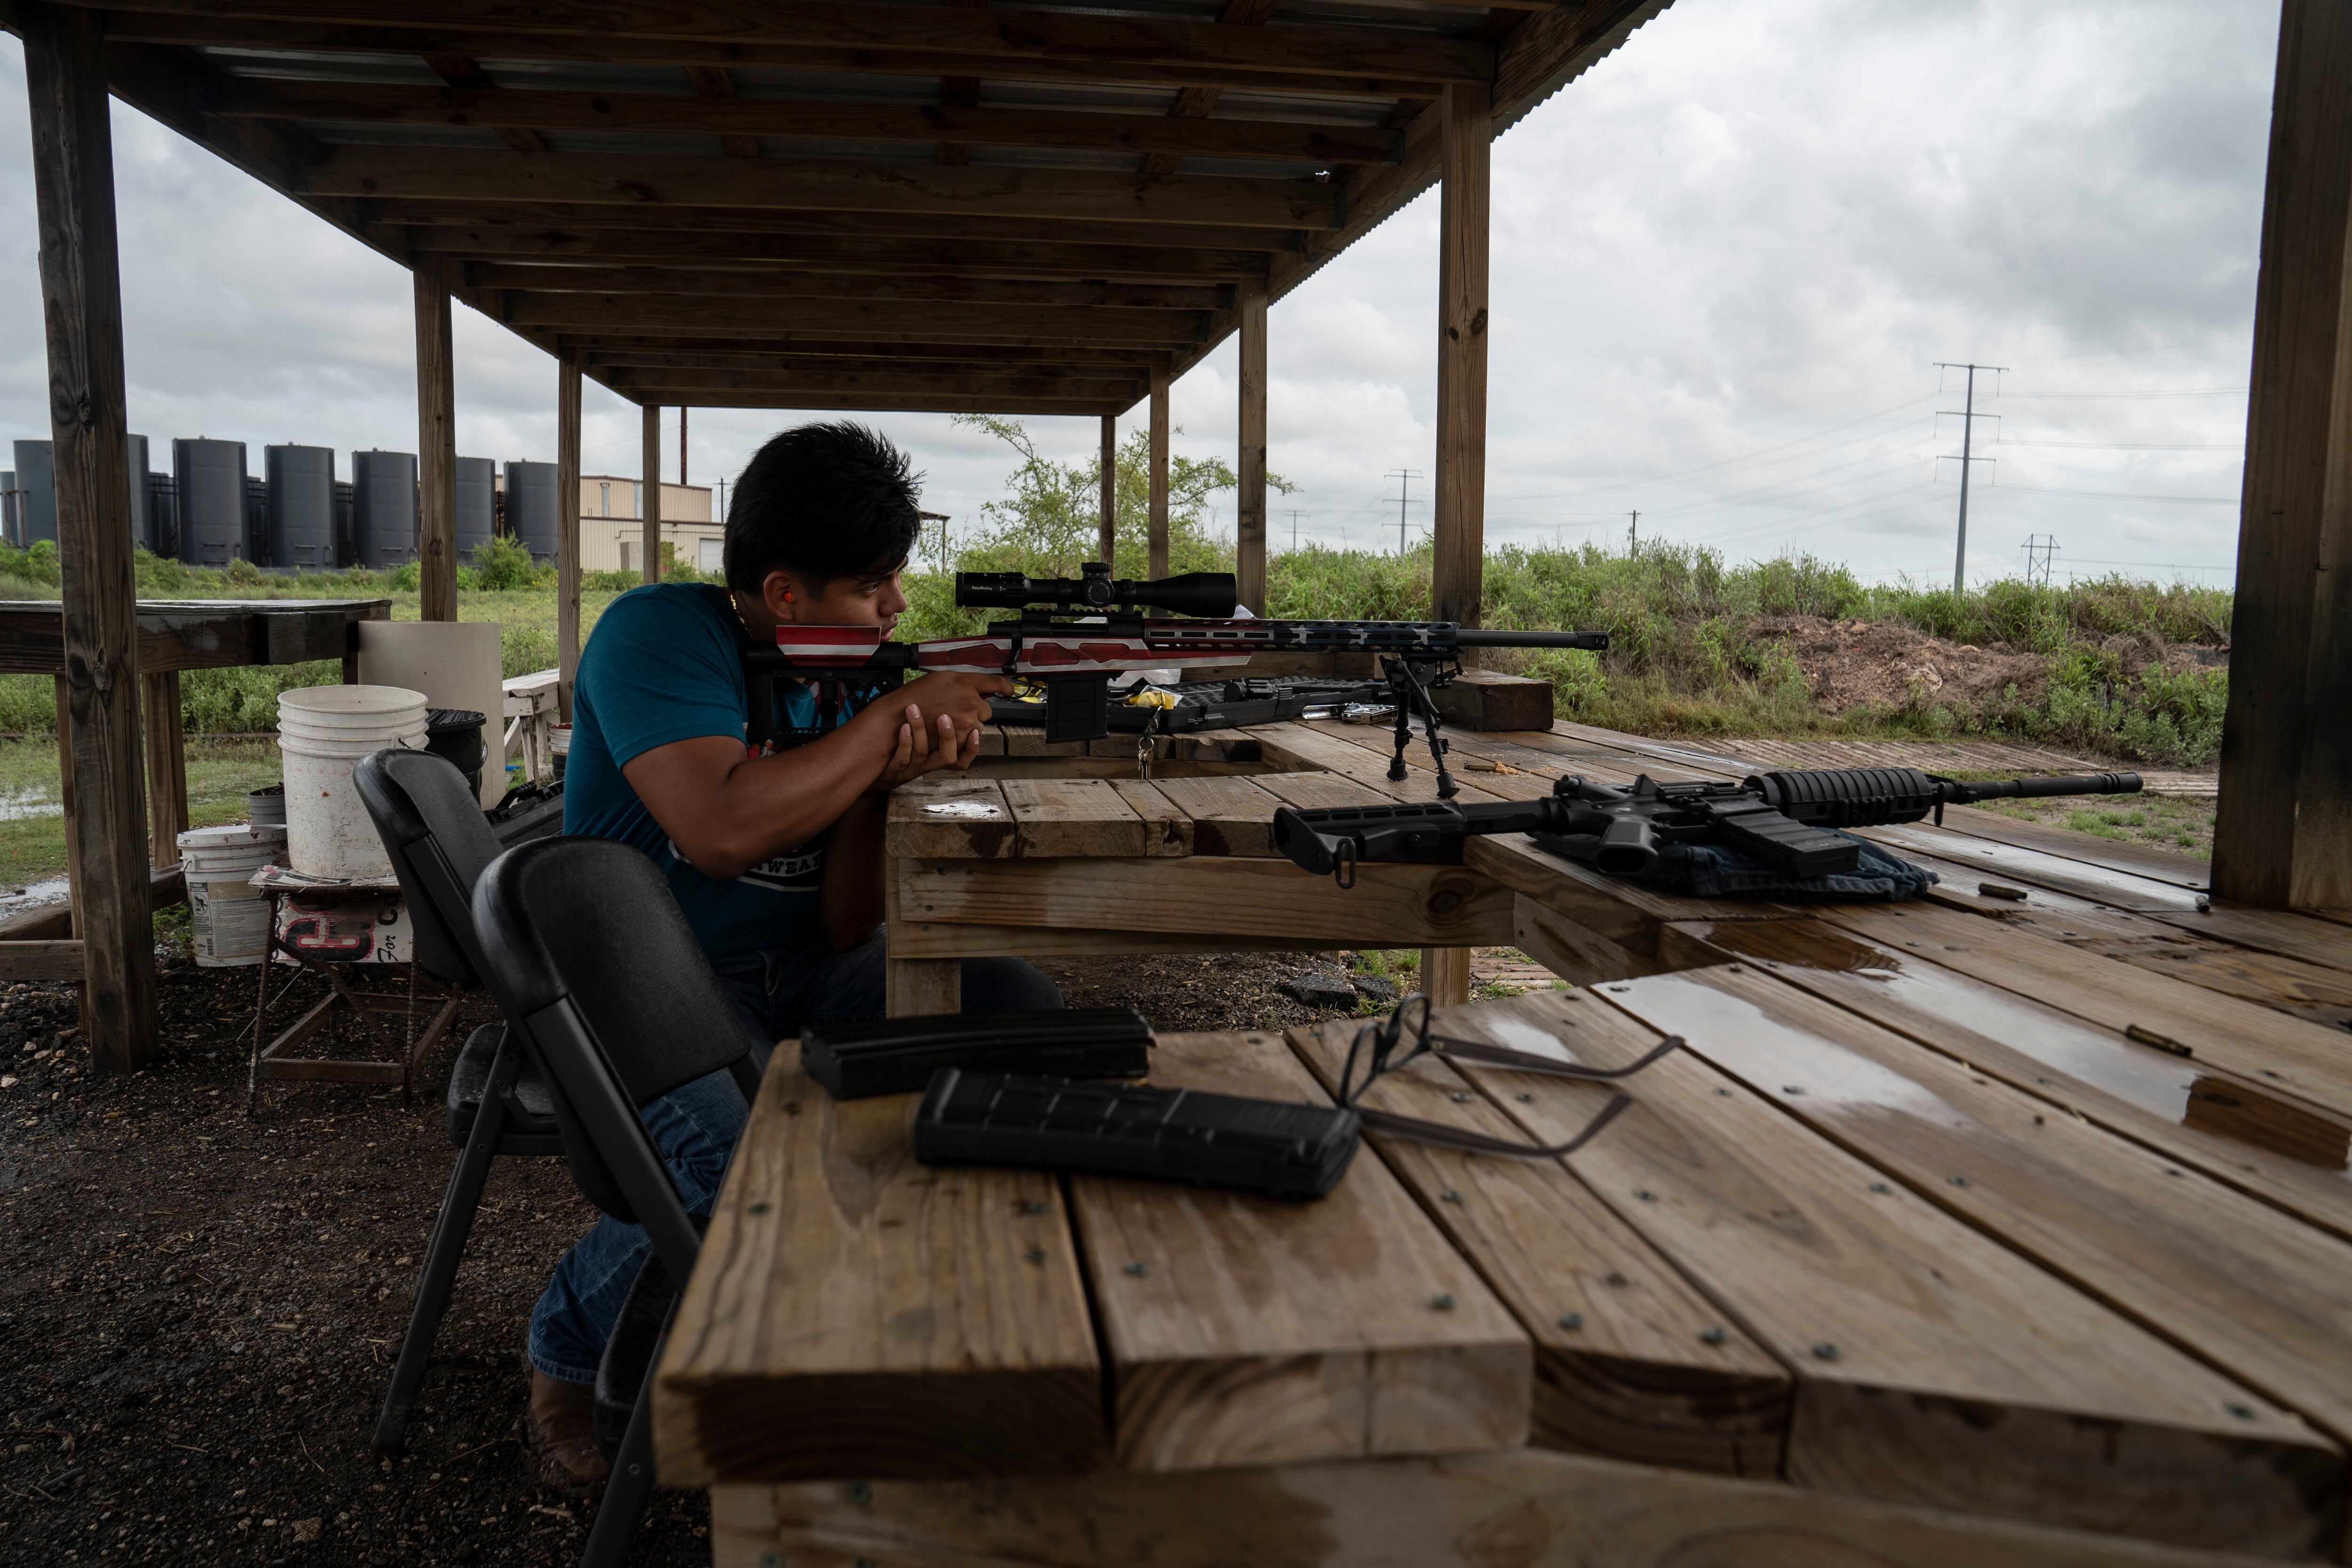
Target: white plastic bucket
<point x="322" y="730"/>
<point x="230" y="920"/>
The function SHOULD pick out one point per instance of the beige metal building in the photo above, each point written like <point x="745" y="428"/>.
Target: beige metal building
<point x="612" y="524"/>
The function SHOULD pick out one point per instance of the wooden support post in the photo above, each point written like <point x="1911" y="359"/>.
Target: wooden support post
<point x="1457" y="567"/>
<point x="167" y="768"/>
<point x="1157" y="542"/>
<point x="99" y="742"/>
<point x="1445" y="975"/>
<point x="437" y="444"/>
<point x="2283" y="833"/>
<point x="1110" y="514"/>
<point x="1249" y="519"/>
<point x="567" y="531"/>
<point x="651" y="489"/>
<point x="913" y="987"/>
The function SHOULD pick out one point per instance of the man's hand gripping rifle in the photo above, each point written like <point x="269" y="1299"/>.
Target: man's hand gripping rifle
<point x="1074" y="634"/>
<point x="1783" y="818"/>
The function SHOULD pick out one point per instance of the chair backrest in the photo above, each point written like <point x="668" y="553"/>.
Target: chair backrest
<point x="590" y="957"/>
<point x="440" y="844"/>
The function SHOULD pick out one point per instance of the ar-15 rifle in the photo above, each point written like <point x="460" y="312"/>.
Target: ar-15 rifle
<point x="1074" y="658"/>
<point x="1782" y="818"/>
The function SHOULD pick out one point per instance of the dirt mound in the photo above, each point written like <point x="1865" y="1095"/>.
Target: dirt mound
<point x="1851" y="663"/>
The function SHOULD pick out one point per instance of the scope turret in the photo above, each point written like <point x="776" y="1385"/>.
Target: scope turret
<point x="1193" y="594"/>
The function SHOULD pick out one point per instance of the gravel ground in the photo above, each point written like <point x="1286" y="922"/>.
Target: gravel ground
<point x="198" y="1309"/>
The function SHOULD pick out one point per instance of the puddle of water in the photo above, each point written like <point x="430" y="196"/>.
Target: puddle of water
<point x="1982" y="1021"/>
<point x="34" y="894"/>
<point x="26" y="801"/>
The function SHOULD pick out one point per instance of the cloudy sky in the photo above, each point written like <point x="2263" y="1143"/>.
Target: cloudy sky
<point x="1725" y="262"/>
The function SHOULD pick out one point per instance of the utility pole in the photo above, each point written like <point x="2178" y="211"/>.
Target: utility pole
<point x="1294" y="530"/>
<point x="681" y="443"/>
<point x="1969" y="417"/>
<point x="1404" y="478"/>
<point x="2041" y="553"/>
<point x="1633" y="533"/>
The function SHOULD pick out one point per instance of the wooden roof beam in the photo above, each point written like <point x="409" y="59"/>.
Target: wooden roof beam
<point x="1192" y="103"/>
<point x="731" y="353"/>
<point x="857" y="225"/>
<point x="246" y="32"/>
<point x="643" y="181"/>
<point x="875" y="402"/>
<point x="968" y="258"/>
<point x="688" y="366"/>
<point x="874" y="319"/>
<point x="764" y="285"/>
<point x="465" y="70"/>
<point x="982" y="42"/>
<point x="742" y="118"/>
<point x="697" y="386"/>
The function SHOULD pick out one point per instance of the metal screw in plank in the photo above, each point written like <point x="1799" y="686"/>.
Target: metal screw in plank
<point x="1880" y="1187"/>
<point x="1571" y="1319"/>
<point x="1461" y="1099"/>
<point x="859" y="1492"/>
<point x="759" y="1208"/>
<point x="1139" y="1269"/>
<point x="1712" y="1336"/>
<point x="2242" y="1412"/>
<point x="1450" y="1195"/>
<point x="1825" y="1351"/>
<point x="1035" y="1255"/>
<point x="1031" y="1206"/>
<point x="1959" y="1181"/>
<point x="1524" y="1099"/>
<point x="771" y="1560"/>
<point x="1441" y="1302"/>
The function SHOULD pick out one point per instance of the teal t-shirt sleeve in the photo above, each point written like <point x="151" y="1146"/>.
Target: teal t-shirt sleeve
<point x="661" y="668"/>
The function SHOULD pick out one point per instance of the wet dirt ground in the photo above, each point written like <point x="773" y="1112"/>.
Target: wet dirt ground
<point x="199" y="1308"/>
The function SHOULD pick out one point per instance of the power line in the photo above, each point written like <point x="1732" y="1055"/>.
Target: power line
<point x="2119" y="495"/>
<point x="2129" y="445"/>
<point x="2172" y="392"/>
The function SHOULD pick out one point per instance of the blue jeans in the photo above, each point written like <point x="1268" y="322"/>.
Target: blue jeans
<point x="779" y="990"/>
<point x="695" y="1126"/>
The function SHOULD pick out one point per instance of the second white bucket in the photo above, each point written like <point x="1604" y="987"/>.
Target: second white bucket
<point x="322" y="730"/>
<point x="230" y="920"/>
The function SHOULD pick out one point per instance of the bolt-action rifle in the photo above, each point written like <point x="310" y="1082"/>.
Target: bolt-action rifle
<point x="1783" y="818"/>
<point x="1074" y="634"/>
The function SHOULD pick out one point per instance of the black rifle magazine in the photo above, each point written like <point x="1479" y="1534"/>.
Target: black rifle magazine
<point x="1268" y="1146"/>
<point x="898" y="1056"/>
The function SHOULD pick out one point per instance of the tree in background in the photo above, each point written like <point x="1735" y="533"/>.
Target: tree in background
<point x="1049" y="522"/>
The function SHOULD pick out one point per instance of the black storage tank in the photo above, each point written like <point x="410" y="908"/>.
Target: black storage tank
<point x="532" y="508"/>
<point x="210" y="478"/>
<point x="143" y="515"/>
<point x="301" y="517"/>
<point x="36" y="509"/>
<point x="163" y="513"/>
<point x="383" y="509"/>
<point x="477" y="514"/>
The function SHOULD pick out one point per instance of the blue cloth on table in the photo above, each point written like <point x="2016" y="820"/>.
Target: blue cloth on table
<point x="1719" y="871"/>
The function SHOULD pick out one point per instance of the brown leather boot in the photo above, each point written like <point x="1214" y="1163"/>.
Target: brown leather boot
<point x="559" y="1434"/>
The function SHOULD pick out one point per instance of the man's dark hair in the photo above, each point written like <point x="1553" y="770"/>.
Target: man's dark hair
<point x="824" y="501"/>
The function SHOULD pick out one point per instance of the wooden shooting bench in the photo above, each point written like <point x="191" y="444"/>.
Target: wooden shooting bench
<point x="172" y="636"/>
<point x="1902" y="1260"/>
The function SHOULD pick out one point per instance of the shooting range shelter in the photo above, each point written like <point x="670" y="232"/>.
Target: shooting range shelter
<point x="815" y="205"/>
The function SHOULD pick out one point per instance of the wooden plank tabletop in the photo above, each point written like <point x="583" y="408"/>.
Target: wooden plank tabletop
<point x="195" y="634"/>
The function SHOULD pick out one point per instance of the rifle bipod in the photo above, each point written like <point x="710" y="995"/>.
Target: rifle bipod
<point x="1413" y="700"/>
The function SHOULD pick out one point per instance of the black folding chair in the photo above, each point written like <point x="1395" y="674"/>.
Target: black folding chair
<point x="440" y="842"/>
<point x="587" y="952"/>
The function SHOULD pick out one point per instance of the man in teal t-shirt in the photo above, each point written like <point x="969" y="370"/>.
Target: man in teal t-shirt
<point x="775" y="858"/>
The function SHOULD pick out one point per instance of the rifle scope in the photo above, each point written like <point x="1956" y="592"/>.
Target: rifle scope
<point x="1193" y="594"/>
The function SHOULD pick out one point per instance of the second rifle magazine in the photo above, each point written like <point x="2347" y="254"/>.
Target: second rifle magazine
<point x="899" y="1056"/>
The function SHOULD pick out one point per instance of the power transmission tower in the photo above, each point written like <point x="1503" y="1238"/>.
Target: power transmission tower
<point x="1404" y="478"/>
<point x="1294" y="530"/>
<point x="2041" y="552"/>
<point x="1969" y="417"/>
<point x="1633" y="533"/>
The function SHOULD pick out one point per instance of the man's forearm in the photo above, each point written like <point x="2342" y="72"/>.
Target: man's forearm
<point x="726" y="812"/>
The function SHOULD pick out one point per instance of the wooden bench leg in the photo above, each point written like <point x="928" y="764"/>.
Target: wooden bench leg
<point x="1445" y="975"/>
<point x="917" y="985"/>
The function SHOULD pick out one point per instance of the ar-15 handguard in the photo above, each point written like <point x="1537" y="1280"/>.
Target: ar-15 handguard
<point x="1789" y="818"/>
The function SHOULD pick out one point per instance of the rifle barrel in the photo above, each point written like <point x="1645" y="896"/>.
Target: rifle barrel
<point x="2029" y="788"/>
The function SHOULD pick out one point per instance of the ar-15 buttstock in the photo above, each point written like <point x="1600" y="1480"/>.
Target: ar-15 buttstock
<point x="1326" y="840"/>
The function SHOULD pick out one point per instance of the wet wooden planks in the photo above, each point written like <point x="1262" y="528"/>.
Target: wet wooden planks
<point x="1526" y="1508"/>
<point x="1932" y="1363"/>
<point x="856" y="1313"/>
<point x="1241" y="1329"/>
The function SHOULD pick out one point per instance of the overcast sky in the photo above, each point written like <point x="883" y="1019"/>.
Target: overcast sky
<point x="1723" y="262"/>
